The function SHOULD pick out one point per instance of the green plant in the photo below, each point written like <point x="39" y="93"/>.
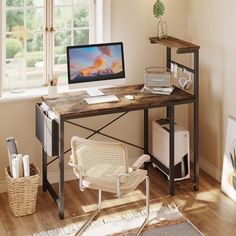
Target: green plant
<point x="13" y="46"/>
<point x="233" y="160"/>
<point x="158" y="9"/>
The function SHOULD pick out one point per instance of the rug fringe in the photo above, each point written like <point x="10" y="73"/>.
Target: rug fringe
<point x="158" y="212"/>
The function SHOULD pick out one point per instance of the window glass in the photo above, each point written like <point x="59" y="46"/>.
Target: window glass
<point x="72" y="22"/>
<point x="29" y="42"/>
<point x="14" y="3"/>
<point x="24" y="40"/>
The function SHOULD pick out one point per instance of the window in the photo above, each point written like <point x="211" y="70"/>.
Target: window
<point x="35" y="34"/>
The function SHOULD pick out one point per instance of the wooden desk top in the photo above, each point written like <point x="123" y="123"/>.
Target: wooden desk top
<point x="71" y="105"/>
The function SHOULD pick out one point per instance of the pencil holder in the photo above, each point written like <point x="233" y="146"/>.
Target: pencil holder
<point x="52" y="91"/>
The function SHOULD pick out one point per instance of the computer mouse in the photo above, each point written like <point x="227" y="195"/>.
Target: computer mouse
<point x="130" y="97"/>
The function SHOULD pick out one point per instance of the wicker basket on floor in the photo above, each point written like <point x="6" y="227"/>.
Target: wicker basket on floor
<point x="22" y="192"/>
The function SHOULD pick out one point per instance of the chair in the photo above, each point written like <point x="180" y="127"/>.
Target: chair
<point x="103" y="166"/>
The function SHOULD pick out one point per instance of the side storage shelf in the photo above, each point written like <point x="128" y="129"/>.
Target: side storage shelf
<point x="47" y="131"/>
<point x="183" y="47"/>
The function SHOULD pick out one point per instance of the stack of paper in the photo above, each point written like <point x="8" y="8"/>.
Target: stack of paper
<point x="158" y="90"/>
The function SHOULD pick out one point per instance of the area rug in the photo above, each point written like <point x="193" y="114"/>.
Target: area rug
<point x="164" y="221"/>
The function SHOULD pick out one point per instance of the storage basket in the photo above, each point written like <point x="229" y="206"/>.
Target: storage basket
<point x="157" y="77"/>
<point x="22" y="192"/>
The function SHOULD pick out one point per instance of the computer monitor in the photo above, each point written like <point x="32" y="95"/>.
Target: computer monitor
<point x="103" y="63"/>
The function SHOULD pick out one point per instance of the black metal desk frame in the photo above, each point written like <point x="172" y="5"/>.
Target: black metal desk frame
<point x="59" y="198"/>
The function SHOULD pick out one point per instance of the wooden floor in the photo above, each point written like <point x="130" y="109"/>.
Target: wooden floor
<point x="208" y="209"/>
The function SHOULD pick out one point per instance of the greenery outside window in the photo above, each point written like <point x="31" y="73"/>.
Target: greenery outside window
<point x="38" y="32"/>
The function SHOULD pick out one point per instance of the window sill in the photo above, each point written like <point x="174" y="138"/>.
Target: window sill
<point x="29" y="94"/>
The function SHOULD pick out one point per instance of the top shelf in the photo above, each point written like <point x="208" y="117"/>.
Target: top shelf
<point x="171" y="42"/>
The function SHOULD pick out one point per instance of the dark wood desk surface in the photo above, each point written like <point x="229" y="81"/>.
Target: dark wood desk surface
<point x="71" y="105"/>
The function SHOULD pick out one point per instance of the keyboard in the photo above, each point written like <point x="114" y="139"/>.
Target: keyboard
<point x="102" y="99"/>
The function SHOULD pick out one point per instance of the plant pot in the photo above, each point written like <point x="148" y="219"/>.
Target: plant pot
<point x="234" y="181"/>
<point x="162" y="29"/>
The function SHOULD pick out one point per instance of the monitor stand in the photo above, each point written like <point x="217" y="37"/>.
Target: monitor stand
<point x="94" y="92"/>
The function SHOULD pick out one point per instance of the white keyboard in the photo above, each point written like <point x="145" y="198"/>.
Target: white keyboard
<point x="102" y="99"/>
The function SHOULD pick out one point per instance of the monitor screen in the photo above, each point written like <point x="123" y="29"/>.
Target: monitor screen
<point x="95" y="62"/>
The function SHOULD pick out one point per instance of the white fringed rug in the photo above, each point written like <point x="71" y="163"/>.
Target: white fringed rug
<point x="164" y="221"/>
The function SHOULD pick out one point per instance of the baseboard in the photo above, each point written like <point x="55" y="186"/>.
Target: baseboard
<point x="53" y="177"/>
<point x="210" y="169"/>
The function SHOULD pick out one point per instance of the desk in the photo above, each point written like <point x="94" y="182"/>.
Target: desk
<point x="69" y="106"/>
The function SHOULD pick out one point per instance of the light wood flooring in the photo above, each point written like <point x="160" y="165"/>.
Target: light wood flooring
<point x="208" y="209"/>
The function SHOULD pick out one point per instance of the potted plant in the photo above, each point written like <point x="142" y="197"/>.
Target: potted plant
<point x="158" y="11"/>
<point x="233" y="162"/>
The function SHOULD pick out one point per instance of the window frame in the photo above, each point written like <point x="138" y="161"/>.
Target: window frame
<point x="100" y="31"/>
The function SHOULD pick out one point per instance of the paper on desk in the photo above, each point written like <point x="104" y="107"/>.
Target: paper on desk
<point x="158" y="90"/>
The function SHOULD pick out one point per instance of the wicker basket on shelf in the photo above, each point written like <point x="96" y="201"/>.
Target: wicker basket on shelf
<point x="22" y="192"/>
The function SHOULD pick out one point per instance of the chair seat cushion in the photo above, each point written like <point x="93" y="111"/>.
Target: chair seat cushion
<point x="104" y="177"/>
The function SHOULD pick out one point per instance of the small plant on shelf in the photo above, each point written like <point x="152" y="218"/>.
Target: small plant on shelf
<point x="159" y="11"/>
<point x="233" y="162"/>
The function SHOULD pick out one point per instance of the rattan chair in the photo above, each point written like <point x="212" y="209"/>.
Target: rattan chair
<point x="103" y="166"/>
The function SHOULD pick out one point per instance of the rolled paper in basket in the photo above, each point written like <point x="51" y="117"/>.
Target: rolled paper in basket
<point x="21" y="170"/>
<point x="15" y="168"/>
<point x="26" y="165"/>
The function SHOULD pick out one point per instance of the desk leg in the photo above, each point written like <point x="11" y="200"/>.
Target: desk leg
<point x="145" y="135"/>
<point x="61" y="168"/>
<point x="170" y="111"/>
<point x="44" y="167"/>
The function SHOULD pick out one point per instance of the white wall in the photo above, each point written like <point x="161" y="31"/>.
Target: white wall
<point x="132" y="23"/>
<point x="212" y="26"/>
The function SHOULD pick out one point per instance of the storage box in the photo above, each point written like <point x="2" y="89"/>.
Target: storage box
<point x="157" y="77"/>
<point x="22" y="192"/>
<point x="160" y="144"/>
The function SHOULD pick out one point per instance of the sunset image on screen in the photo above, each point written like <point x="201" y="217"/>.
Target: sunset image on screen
<point x="96" y="61"/>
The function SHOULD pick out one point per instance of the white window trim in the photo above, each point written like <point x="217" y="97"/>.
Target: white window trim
<point x="103" y="21"/>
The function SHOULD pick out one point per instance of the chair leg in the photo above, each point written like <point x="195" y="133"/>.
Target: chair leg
<point x="81" y="230"/>
<point x="147" y="206"/>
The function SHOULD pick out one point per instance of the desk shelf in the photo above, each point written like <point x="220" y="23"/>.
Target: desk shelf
<point x="182" y="47"/>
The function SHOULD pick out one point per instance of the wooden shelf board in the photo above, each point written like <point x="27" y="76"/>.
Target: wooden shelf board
<point x="181" y="46"/>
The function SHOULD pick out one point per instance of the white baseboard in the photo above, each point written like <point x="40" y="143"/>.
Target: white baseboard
<point x="53" y="177"/>
<point x="210" y="169"/>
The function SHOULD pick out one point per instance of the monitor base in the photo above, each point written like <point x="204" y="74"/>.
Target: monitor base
<point x="94" y="92"/>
